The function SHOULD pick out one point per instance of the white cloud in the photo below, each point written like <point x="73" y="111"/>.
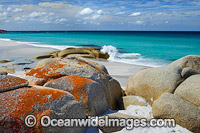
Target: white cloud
<point x="139" y="22"/>
<point x="99" y="12"/>
<point x="96" y="16"/>
<point x="86" y="11"/>
<point x="9" y="9"/>
<point x="3" y="15"/>
<point x="37" y="14"/>
<point x="17" y="10"/>
<point x="135" y="14"/>
<point x="61" y="20"/>
<point x="17" y="18"/>
<point x="120" y="13"/>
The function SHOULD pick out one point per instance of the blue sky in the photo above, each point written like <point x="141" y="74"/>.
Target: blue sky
<point x="173" y="15"/>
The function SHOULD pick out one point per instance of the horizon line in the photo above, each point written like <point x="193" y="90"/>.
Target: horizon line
<point x="100" y="31"/>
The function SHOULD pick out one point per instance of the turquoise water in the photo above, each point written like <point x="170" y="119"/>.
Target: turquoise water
<point x="142" y="48"/>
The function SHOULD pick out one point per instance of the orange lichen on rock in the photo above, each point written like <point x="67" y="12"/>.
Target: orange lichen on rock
<point x="10" y="82"/>
<point x="79" y="85"/>
<point x="90" y="64"/>
<point x="51" y="70"/>
<point x="98" y="69"/>
<point x="17" y="104"/>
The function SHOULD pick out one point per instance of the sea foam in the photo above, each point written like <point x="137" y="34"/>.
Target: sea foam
<point x="131" y="58"/>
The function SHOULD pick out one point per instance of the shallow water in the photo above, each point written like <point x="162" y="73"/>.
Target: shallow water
<point x="138" y="47"/>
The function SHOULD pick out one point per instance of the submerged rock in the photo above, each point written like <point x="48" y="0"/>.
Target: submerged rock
<point x="16" y="105"/>
<point x="88" y="92"/>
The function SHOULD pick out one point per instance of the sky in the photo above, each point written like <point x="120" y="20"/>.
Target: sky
<point x="148" y="15"/>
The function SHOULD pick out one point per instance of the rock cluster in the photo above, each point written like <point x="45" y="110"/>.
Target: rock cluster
<point x="60" y="88"/>
<point x="75" y="52"/>
<point x="173" y="91"/>
<point x="91" y="76"/>
<point x="6" y="70"/>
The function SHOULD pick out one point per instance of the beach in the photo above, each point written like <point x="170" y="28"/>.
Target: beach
<point x="23" y="54"/>
<point x="19" y="52"/>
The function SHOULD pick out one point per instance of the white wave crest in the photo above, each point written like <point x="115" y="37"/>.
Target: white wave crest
<point x="131" y="58"/>
<point x="38" y="44"/>
<point x="2" y="39"/>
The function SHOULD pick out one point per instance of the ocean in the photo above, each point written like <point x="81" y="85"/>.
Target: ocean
<point x="148" y="48"/>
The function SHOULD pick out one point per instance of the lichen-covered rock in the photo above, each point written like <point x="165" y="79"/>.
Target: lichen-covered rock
<point x="189" y="90"/>
<point x="8" y="83"/>
<point x="79" y="67"/>
<point x="152" y="82"/>
<point x="171" y="106"/>
<point x="64" y="67"/>
<point x="17" y="104"/>
<point x="125" y="101"/>
<point x="88" y="92"/>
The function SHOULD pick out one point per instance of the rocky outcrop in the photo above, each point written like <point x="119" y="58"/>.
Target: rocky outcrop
<point x="3" y="73"/>
<point x="75" y="52"/>
<point x="45" y="62"/>
<point x="189" y="90"/>
<point x="125" y="101"/>
<point x="116" y="115"/>
<point x="187" y="72"/>
<point x="17" y="104"/>
<point x="79" y="67"/>
<point x="2" y="31"/>
<point x="171" y="106"/>
<point x="192" y="61"/>
<point x="88" y="92"/>
<point x="152" y="82"/>
<point x="5" y="60"/>
<point x="8" y="83"/>
<point x="43" y="56"/>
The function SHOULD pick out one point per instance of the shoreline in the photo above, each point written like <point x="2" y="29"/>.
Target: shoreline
<point x="119" y="71"/>
<point x="114" y="52"/>
<point x="20" y="52"/>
